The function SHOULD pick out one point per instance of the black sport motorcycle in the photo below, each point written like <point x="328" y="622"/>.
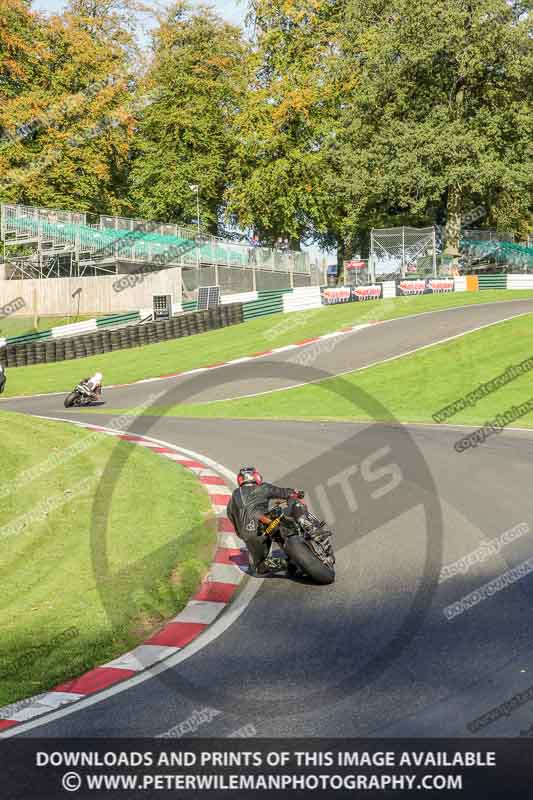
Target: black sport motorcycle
<point x="80" y="396"/>
<point x="308" y="548"/>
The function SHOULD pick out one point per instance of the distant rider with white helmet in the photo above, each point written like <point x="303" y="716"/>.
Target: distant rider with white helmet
<point x="95" y="384"/>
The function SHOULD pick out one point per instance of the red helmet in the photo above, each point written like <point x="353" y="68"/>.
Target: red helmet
<point x="249" y="475"/>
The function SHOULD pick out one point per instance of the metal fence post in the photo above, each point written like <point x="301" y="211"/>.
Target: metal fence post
<point x="371" y="270"/>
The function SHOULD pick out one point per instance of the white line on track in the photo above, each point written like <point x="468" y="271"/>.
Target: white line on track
<point x="294" y="346"/>
<point x="368" y="366"/>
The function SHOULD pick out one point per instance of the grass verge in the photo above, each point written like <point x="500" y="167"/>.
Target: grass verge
<point x="251" y="337"/>
<point x="155" y="530"/>
<point x="412" y="388"/>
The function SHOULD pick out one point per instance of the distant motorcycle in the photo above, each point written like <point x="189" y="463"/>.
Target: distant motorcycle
<point x="82" y="395"/>
<point x="309" y="549"/>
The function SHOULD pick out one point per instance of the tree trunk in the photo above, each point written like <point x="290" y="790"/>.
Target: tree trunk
<point x="341" y="250"/>
<point x="453" y="221"/>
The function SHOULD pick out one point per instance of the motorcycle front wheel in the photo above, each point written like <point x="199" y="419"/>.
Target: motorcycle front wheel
<point x="300" y="554"/>
<point x="72" y="399"/>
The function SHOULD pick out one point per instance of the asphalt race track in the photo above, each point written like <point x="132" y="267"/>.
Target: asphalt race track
<point x="328" y="357"/>
<point x="374" y="654"/>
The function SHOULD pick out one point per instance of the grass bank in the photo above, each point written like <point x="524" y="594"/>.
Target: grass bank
<point x="251" y="337"/>
<point x="62" y="609"/>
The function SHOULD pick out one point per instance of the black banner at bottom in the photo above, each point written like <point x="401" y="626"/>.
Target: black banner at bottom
<point x="242" y="768"/>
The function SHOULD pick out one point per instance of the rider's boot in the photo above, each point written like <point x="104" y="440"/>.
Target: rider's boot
<point x="294" y="571"/>
<point x="273" y="564"/>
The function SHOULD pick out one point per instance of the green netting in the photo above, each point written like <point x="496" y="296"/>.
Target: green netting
<point x="135" y="245"/>
<point x="516" y="255"/>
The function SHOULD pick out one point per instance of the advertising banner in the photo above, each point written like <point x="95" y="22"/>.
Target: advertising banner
<point x="442" y="285"/>
<point x="336" y="294"/>
<point x="412" y="287"/>
<point x="354" y="264"/>
<point x="367" y="292"/>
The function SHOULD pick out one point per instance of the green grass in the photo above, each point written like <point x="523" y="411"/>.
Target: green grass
<point x="412" y="388"/>
<point x="16" y="326"/>
<point x="240" y="340"/>
<point x="59" y="613"/>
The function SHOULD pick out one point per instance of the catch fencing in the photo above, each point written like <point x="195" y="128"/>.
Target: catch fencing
<point x="394" y="252"/>
<point x="502" y="253"/>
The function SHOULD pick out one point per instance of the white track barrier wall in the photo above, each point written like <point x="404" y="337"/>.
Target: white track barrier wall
<point x="302" y="298"/>
<point x="74" y="329"/>
<point x="240" y="297"/>
<point x="460" y="284"/>
<point x="389" y="289"/>
<point x="524" y="281"/>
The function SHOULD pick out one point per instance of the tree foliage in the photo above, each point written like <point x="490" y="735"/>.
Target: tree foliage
<point x="332" y="117"/>
<point x="21" y="48"/>
<point x="186" y="132"/>
<point x="65" y="117"/>
<point x="440" y="119"/>
<point x="278" y="167"/>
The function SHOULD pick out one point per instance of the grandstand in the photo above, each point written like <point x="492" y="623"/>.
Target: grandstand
<point x="488" y="248"/>
<point x="48" y="243"/>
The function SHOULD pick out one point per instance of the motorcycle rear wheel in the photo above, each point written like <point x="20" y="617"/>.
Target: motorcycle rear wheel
<point x="300" y="554"/>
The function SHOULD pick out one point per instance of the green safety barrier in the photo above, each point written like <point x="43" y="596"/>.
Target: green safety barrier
<point x="38" y="336"/>
<point x="498" y="281"/>
<point x="116" y="319"/>
<point x="101" y="322"/>
<point x="190" y="305"/>
<point x="268" y="302"/>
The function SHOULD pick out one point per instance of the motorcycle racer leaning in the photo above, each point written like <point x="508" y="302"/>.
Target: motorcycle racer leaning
<point x="248" y="503"/>
<point x="95" y="384"/>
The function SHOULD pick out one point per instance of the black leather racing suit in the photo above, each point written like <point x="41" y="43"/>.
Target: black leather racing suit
<point x="247" y="504"/>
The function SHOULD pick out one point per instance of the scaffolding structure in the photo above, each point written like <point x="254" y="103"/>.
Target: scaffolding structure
<point x="397" y="252"/>
<point x="47" y="243"/>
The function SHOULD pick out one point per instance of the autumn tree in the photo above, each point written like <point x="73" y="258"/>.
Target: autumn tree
<point x="23" y="76"/>
<point x="67" y="121"/>
<point x="186" y="133"/>
<point x="118" y="22"/>
<point x="21" y="47"/>
<point x="277" y="172"/>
